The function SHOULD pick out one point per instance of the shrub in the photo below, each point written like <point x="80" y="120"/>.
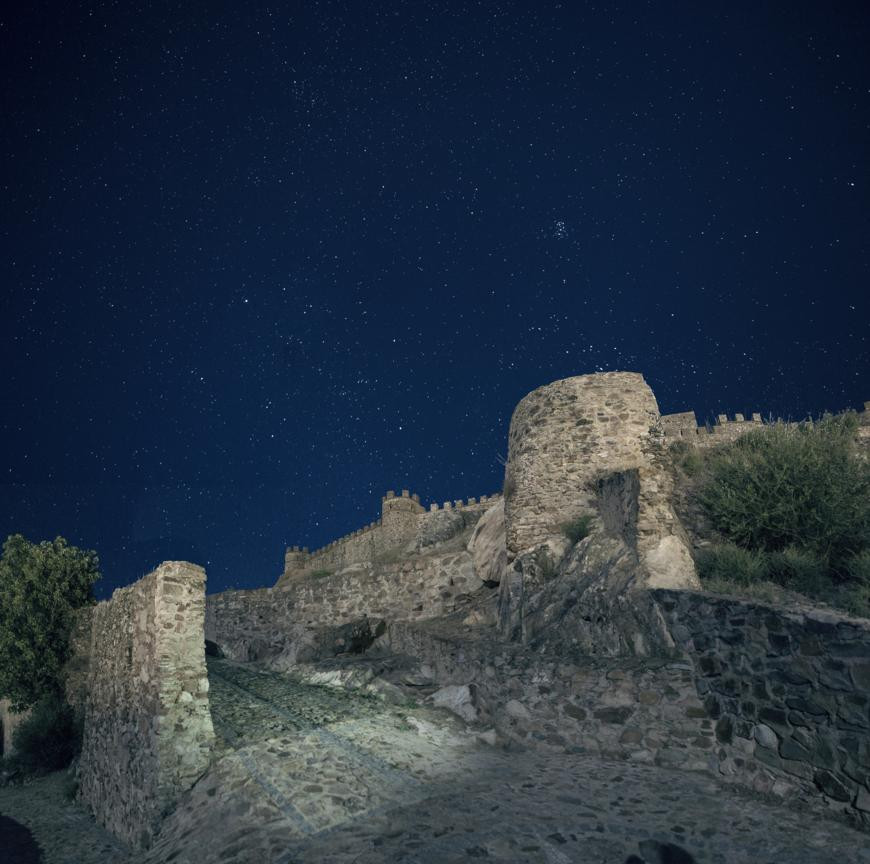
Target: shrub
<point x="766" y="592"/>
<point x="578" y="528"/>
<point x="320" y="574"/>
<point x="857" y="567"/>
<point x="49" y="738"/>
<point x="855" y="593"/>
<point x="854" y="597"/>
<point x="546" y="564"/>
<point x="727" y="562"/>
<point x="689" y="458"/>
<point x="799" y="570"/>
<point x="41" y="586"/>
<point x="792" y="485"/>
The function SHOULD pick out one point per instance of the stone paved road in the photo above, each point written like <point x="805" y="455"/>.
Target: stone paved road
<point x="316" y="775"/>
<point x="64" y="830"/>
<point x="312" y="775"/>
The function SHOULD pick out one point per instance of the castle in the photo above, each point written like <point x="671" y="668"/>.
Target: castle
<point x="492" y="597"/>
<point x="403" y="517"/>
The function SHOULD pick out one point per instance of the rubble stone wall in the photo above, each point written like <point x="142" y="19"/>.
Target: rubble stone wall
<point x="402" y="520"/>
<point x="638" y="709"/>
<point x="789" y="692"/>
<point x="249" y="625"/>
<point x="147" y="727"/>
<point x="562" y="436"/>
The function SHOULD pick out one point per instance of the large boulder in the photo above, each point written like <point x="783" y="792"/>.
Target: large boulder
<point x="487" y="546"/>
<point x="593" y="604"/>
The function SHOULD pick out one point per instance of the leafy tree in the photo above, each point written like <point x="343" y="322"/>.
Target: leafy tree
<point x="41" y="586"/>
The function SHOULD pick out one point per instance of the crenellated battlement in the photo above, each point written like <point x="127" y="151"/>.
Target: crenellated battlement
<point x="684" y="427"/>
<point x="403" y="514"/>
<point x="401" y="517"/>
<point x="459" y="504"/>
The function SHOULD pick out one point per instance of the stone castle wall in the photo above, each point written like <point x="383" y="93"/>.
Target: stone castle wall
<point x="565" y="439"/>
<point x="561" y="436"/>
<point x="147" y="727"/>
<point x="684" y="427"/>
<point x="403" y="518"/>
<point x="250" y="625"/>
<point x="789" y="692"/>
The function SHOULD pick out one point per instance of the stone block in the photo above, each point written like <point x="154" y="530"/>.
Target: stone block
<point x="835" y="786"/>
<point x="765" y="736"/>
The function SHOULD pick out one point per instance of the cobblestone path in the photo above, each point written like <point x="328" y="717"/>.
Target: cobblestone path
<point x="65" y="831"/>
<point x="310" y="774"/>
<point x="250" y="704"/>
<point x="314" y="775"/>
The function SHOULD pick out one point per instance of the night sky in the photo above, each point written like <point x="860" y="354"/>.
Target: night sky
<point x="262" y="262"/>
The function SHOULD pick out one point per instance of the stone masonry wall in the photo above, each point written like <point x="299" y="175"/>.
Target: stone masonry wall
<point x="147" y="727"/>
<point x="248" y="625"/>
<point x="565" y="438"/>
<point x="402" y="519"/>
<point x="561" y="436"/>
<point x="642" y="710"/>
<point x="684" y="427"/>
<point x="789" y="692"/>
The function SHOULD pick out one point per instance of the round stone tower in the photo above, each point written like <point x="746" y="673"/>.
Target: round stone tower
<point x="593" y="444"/>
<point x="399" y="517"/>
<point x="562" y="437"/>
<point x="297" y="562"/>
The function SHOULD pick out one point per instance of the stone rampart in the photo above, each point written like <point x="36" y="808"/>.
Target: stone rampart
<point x="565" y="438"/>
<point x="251" y="625"/>
<point x="636" y="709"/>
<point x="147" y="727"/>
<point x="789" y="692"/>
<point x="561" y="436"/>
<point x="402" y="519"/>
<point x="684" y="427"/>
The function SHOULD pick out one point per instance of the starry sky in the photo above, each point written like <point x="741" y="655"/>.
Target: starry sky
<point x="262" y="262"/>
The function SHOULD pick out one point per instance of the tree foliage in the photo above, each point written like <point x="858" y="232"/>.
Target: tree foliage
<point x="48" y="738"/>
<point x="41" y="586"/>
<point x="798" y="486"/>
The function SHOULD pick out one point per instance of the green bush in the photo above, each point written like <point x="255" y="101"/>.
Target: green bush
<point x="689" y="458"/>
<point x="765" y="592"/>
<point x="857" y="567"/>
<point x="578" y="528"/>
<point x="729" y="569"/>
<point x="855" y="592"/>
<point x="41" y="586"/>
<point x="49" y="738"/>
<point x="727" y="562"/>
<point x="854" y="597"/>
<point x="792" y="485"/>
<point x="547" y="565"/>
<point x="798" y="570"/>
